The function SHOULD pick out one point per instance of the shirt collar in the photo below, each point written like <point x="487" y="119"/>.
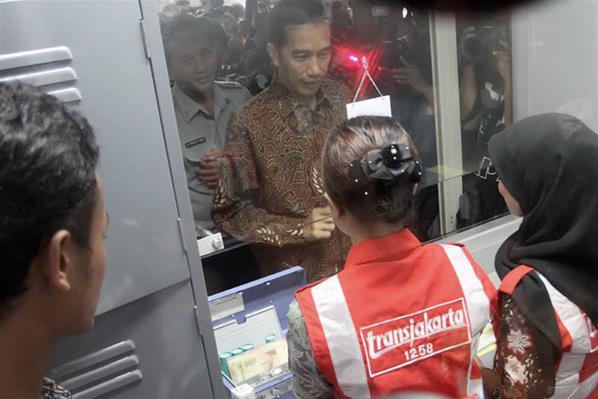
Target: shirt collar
<point x="396" y="245"/>
<point x="287" y="103"/>
<point x="189" y="108"/>
<point x="220" y="100"/>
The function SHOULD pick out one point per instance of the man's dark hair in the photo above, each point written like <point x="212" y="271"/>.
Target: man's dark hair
<point x="292" y="12"/>
<point x="169" y="8"/>
<point x="198" y="26"/>
<point x="48" y="158"/>
<point x="238" y="11"/>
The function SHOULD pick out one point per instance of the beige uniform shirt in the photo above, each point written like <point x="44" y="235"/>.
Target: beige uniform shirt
<point x="199" y="133"/>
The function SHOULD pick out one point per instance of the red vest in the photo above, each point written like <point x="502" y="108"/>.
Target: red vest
<point x="577" y="372"/>
<point x="400" y="317"/>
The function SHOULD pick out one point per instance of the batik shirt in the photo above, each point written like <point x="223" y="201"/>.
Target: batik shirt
<point x="308" y="381"/>
<point x="517" y="361"/>
<point x="272" y="179"/>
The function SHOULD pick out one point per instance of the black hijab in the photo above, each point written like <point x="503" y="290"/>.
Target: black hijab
<point x="549" y="163"/>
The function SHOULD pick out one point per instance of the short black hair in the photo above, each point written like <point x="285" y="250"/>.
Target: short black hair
<point x="48" y="159"/>
<point x="292" y="12"/>
<point x="169" y="7"/>
<point x="200" y="26"/>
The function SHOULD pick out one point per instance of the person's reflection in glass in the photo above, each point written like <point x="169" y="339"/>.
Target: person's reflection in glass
<point x="232" y="59"/>
<point x="257" y="65"/>
<point x="486" y="84"/>
<point x="270" y="191"/>
<point x="408" y="60"/>
<point x="169" y="11"/>
<point x="341" y="22"/>
<point x="408" y="78"/>
<point x="203" y="107"/>
<point x="486" y="109"/>
<point x="183" y="6"/>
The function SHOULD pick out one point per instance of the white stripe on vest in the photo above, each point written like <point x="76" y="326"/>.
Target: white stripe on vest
<point x="475" y="386"/>
<point x="478" y="306"/>
<point x="586" y="388"/>
<point x="567" y="378"/>
<point x="341" y="337"/>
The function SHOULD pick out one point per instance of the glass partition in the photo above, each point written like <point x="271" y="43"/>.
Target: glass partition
<point x="486" y="102"/>
<point x="254" y="177"/>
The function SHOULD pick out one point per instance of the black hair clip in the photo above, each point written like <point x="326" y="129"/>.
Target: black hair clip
<point x="389" y="164"/>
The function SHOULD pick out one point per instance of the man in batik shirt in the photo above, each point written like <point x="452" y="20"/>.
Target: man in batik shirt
<point x="270" y="191"/>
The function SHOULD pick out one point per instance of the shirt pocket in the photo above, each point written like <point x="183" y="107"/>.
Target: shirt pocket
<point x="195" y="148"/>
<point x="193" y="151"/>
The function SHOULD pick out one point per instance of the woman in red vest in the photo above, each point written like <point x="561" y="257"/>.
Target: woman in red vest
<point x="547" y="342"/>
<point x="401" y="317"/>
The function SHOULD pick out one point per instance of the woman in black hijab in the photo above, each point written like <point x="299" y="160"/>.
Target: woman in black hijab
<point x="548" y="166"/>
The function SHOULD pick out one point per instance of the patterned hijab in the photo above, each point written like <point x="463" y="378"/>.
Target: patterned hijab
<point x="549" y="163"/>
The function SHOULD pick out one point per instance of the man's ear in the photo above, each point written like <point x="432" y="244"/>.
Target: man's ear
<point x="58" y="260"/>
<point x="273" y="53"/>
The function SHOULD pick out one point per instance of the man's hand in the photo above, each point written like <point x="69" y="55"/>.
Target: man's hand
<point x="503" y="65"/>
<point x="208" y="170"/>
<point x="318" y="225"/>
<point x="411" y="76"/>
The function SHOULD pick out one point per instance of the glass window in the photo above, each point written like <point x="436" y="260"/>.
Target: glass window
<point x="486" y="102"/>
<point x="277" y="184"/>
<point x="268" y="211"/>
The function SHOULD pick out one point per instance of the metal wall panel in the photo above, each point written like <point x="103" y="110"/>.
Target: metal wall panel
<point x="147" y="349"/>
<point x="109" y="68"/>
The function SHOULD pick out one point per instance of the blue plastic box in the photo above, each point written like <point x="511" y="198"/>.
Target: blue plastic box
<point x="245" y="314"/>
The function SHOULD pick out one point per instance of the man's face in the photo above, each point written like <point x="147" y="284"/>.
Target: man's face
<point x="183" y="7"/>
<point x="304" y="58"/>
<point x="193" y="62"/>
<point x="214" y="4"/>
<point x="90" y="269"/>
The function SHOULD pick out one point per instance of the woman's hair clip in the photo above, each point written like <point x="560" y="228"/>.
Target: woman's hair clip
<point x="389" y="164"/>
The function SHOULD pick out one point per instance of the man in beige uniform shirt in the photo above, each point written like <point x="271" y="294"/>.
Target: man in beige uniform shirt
<point x="203" y="107"/>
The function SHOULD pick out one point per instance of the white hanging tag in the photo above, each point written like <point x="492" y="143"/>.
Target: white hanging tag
<point x="379" y="106"/>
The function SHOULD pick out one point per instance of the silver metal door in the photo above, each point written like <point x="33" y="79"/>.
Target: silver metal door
<point x="104" y="57"/>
